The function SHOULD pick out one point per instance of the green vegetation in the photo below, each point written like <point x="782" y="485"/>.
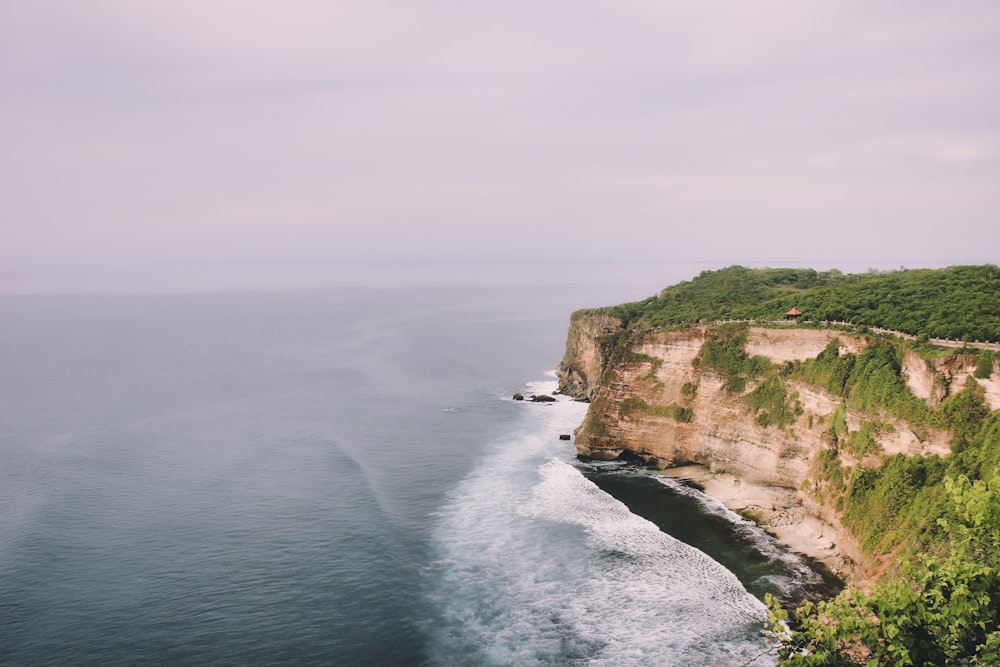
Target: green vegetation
<point x="723" y="352"/>
<point x="654" y="362"/>
<point x="938" y="519"/>
<point x="933" y="521"/>
<point x="838" y="422"/>
<point x="772" y="404"/>
<point x="864" y="441"/>
<point x="959" y="302"/>
<point x="944" y="611"/>
<point x="871" y="381"/>
<point x="593" y="425"/>
<point x="875" y="384"/>
<point x="984" y="364"/>
<point x="689" y="391"/>
<point x="631" y="406"/>
<point x="964" y="413"/>
<point x="888" y="506"/>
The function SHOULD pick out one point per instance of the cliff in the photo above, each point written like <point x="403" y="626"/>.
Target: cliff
<point x="755" y="443"/>
<point x="588" y="348"/>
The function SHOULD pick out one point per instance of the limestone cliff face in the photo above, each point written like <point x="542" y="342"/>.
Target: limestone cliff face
<point x="935" y="381"/>
<point x="650" y="397"/>
<point x="658" y="372"/>
<point x="588" y="347"/>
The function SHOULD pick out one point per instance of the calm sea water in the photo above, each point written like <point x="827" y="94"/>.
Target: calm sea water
<point x="331" y="477"/>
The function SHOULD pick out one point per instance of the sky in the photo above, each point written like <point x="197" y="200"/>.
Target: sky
<point x="187" y="143"/>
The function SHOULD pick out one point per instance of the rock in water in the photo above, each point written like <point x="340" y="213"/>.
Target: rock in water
<point x="542" y="398"/>
<point x="518" y="396"/>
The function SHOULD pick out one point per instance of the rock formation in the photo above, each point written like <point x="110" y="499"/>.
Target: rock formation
<point x="650" y="397"/>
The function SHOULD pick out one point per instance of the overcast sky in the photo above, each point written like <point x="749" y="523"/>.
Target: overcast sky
<point x="159" y="137"/>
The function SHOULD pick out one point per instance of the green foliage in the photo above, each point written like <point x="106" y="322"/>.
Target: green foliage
<point x="982" y="456"/>
<point x="875" y="384"/>
<point x="882" y="500"/>
<point x="984" y="365"/>
<point x="838" y="421"/>
<point x="638" y="358"/>
<point x="943" y="607"/>
<point x="872" y="381"/>
<point x="964" y="413"/>
<point x="723" y="351"/>
<point x="946" y="611"/>
<point x="716" y="295"/>
<point x="959" y="302"/>
<point x="772" y="405"/>
<point x="631" y="406"/>
<point x="593" y="425"/>
<point x="830" y="484"/>
<point x="831" y="469"/>
<point x="864" y="441"/>
<point x="675" y="412"/>
<point x="619" y="344"/>
<point x="735" y="384"/>
<point x="829" y="370"/>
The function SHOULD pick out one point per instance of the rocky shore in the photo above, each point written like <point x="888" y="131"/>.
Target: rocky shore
<point x="652" y="400"/>
<point x="780" y="512"/>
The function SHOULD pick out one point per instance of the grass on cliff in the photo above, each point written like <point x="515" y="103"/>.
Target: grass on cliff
<point x="943" y="607"/>
<point x="872" y="380"/>
<point x="679" y="413"/>
<point x="937" y="519"/>
<point x="959" y="302"/>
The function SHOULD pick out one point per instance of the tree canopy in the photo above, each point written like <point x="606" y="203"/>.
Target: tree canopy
<point x="958" y="302"/>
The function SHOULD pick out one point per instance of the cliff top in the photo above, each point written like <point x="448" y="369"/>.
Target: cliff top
<point x="958" y="302"/>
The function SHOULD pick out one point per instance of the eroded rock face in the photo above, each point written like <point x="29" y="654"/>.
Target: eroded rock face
<point x="992" y="386"/>
<point x="588" y="346"/>
<point x="781" y="345"/>
<point x="660" y="371"/>
<point x="721" y="433"/>
<point x="935" y="380"/>
<point x="653" y="400"/>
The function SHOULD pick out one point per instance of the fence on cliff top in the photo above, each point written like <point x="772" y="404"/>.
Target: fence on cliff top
<point x="942" y="342"/>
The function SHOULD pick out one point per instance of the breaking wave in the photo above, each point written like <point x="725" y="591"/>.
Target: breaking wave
<point x="537" y="565"/>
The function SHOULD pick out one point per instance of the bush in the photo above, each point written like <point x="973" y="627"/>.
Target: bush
<point x="772" y="405"/>
<point x="945" y="612"/>
<point x="984" y="365"/>
<point x="956" y="302"/>
<point x="964" y="413"/>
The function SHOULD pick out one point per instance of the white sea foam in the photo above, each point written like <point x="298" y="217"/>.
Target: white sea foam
<point x="798" y="573"/>
<point x="547" y="386"/>
<point x="539" y="566"/>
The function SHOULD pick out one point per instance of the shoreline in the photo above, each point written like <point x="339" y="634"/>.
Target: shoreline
<point x="778" y="511"/>
<point x="762" y="563"/>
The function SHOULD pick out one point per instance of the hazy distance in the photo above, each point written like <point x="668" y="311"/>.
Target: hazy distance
<point x="244" y="145"/>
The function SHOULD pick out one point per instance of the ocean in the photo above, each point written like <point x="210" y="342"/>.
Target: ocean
<point x="340" y="477"/>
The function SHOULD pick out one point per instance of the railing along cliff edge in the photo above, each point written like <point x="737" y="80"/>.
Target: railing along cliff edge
<point x="942" y="342"/>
